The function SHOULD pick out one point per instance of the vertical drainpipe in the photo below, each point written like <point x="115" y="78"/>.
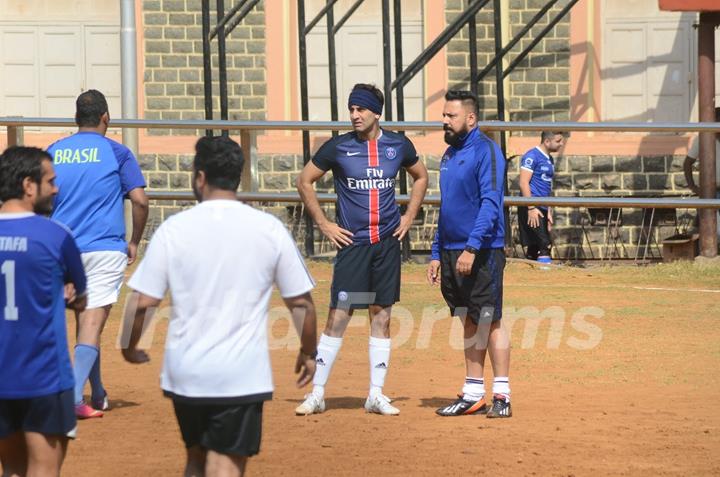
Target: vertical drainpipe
<point x="128" y="78"/>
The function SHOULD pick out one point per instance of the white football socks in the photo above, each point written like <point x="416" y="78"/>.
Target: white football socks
<point x="501" y="385"/>
<point x="474" y="389"/>
<point x="379" y="352"/>
<point x="328" y="349"/>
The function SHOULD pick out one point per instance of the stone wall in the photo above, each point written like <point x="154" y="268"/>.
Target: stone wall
<point x="174" y="63"/>
<point x="578" y="233"/>
<point x="539" y="85"/>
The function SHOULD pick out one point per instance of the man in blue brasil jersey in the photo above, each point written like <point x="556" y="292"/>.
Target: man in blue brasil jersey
<point x="536" y="175"/>
<point x="95" y="174"/>
<point x="37" y="258"/>
<point x="367" y="232"/>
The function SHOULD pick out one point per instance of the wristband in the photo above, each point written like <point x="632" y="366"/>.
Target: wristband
<point x="532" y="207"/>
<point x="472" y="250"/>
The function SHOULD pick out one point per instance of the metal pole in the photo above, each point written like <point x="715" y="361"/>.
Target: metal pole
<point x="128" y="72"/>
<point x="438" y="43"/>
<point x="500" y="94"/>
<point x="305" y="115"/>
<point x="400" y="100"/>
<point x="399" y="93"/>
<point x="387" y="70"/>
<point x="319" y="16"/>
<point x="128" y="80"/>
<point x="472" y="34"/>
<point x="227" y="18"/>
<point x="332" y="66"/>
<point x="706" y="99"/>
<point x="515" y="39"/>
<point x="249" y="177"/>
<point x="347" y="15"/>
<point x="222" y="62"/>
<point x="207" y="63"/>
<point x="521" y="56"/>
<point x="240" y="17"/>
<point x="432" y="126"/>
<point x="15" y="136"/>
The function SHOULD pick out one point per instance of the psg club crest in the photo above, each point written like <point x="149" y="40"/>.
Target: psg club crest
<point x="390" y="153"/>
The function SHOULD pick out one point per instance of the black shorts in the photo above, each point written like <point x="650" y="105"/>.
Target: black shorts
<point x="366" y="275"/>
<point x="536" y="240"/>
<point x="480" y="294"/>
<point x="52" y="414"/>
<point x="233" y="429"/>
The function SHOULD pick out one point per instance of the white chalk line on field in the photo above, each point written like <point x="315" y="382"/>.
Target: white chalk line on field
<point x="698" y="290"/>
<point x="522" y="285"/>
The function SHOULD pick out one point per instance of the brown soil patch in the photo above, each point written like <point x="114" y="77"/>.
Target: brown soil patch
<point x="630" y="388"/>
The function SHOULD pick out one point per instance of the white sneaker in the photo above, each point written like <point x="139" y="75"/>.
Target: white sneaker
<point x="380" y="404"/>
<point x="311" y="405"/>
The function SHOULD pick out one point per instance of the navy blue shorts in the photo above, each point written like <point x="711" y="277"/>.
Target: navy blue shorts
<point x="366" y="275"/>
<point x="480" y="294"/>
<point x="53" y="414"/>
<point x="232" y="429"/>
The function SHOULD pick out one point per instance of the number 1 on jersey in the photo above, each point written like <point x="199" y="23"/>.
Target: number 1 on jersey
<point x="8" y="269"/>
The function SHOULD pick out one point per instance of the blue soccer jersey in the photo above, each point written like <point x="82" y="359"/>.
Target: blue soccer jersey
<point x="37" y="257"/>
<point x="94" y="174"/>
<point x="543" y="168"/>
<point x="364" y="173"/>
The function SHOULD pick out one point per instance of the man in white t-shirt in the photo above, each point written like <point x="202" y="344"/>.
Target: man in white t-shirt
<point x="220" y="260"/>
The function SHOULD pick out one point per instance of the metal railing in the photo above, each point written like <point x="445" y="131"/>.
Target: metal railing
<point x="675" y="127"/>
<point x="588" y="202"/>
<point x="248" y="129"/>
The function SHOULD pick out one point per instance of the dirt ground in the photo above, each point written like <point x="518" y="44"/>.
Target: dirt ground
<point x="614" y="371"/>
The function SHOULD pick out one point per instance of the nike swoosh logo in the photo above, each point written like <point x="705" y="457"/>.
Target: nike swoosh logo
<point x="352" y="153"/>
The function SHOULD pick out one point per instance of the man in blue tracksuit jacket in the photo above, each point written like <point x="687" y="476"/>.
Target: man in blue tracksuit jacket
<point x="468" y="254"/>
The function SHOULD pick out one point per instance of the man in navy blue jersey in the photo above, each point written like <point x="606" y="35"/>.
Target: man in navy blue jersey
<point x="536" y="175"/>
<point x="367" y="233"/>
<point x="468" y="256"/>
<point x="37" y="258"/>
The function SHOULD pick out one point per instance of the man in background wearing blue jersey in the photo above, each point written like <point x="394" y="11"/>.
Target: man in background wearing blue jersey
<point x="536" y="175"/>
<point x="37" y="257"/>
<point x="367" y="233"/>
<point x="468" y="256"/>
<point x="94" y="175"/>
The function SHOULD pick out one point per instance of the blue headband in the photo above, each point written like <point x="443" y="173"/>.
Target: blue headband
<point x="365" y="99"/>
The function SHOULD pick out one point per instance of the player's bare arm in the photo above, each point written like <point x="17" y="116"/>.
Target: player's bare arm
<point x="140" y="209"/>
<point x="419" y="173"/>
<point x="304" y="317"/>
<point x="139" y="308"/>
<point x="308" y="176"/>
<point x="524" y="182"/>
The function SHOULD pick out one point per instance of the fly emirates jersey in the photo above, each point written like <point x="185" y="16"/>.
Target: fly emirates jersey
<point x="364" y="173"/>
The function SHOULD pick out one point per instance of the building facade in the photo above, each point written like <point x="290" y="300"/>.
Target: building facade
<point x="607" y="60"/>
